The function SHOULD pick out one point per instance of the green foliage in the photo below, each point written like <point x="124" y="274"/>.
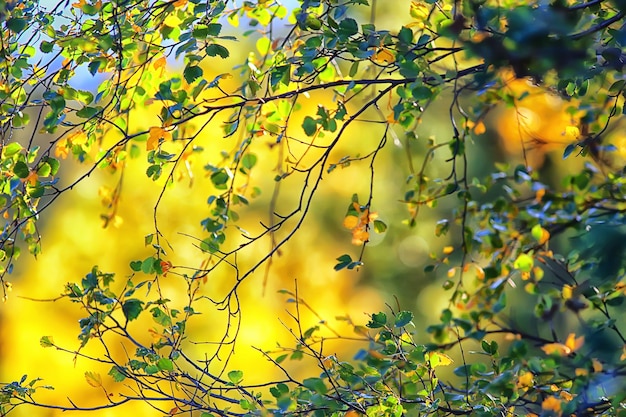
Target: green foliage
<point x="550" y="245"/>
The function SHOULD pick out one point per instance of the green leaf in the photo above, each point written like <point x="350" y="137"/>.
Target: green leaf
<point x="214" y="29"/>
<point x="217" y="50"/>
<point x="204" y="31"/>
<point x="344" y="261"/>
<point x="147" y="266"/>
<point x="537" y="232"/>
<point x="405" y="35"/>
<point x="403" y="318"/>
<point x="380" y="226"/>
<point x="151" y="369"/>
<point x="21" y="169"/>
<point x="524" y="263"/>
<point x="87" y="112"/>
<point x="192" y="73"/>
<point x="378" y="320"/>
<point x="568" y="150"/>
<point x="117" y="374"/>
<point x="348" y="27"/>
<point x="44" y="170"/>
<point x="315" y="384"/>
<point x="165" y="364"/>
<point x="16" y="24"/>
<point x="132" y="308"/>
<point x="46" y="47"/>
<point x="309" y="125"/>
<point x="421" y="93"/>
<point x="220" y="179"/>
<point x="136" y="266"/>
<point x="46" y="341"/>
<point x="249" y="161"/>
<point x="11" y="149"/>
<point x="20" y="119"/>
<point x="235" y="377"/>
<point x="54" y="165"/>
<point x="160" y="317"/>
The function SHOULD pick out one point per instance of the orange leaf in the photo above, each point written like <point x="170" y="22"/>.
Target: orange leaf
<point x="166" y="266"/>
<point x="574" y="343"/>
<point x="480" y="128"/>
<point x="155" y="135"/>
<point x="384" y="55"/>
<point x="539" y="194"/>
<point x="160" y="64"/>
<point x="359" y="236"/>
<point x="480" y="273"/>
<point x="597" y="365"/>
<point x="31" y="178"/>
<point x="551" y="403"/>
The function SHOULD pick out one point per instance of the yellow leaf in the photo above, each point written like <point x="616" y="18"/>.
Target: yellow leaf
<point x="572" y="131"/>
<point x="451" y="272"/>
<point x="172" y="20"/>
<point x="448" y="250"/>
<point x="525" y="380"/>
<point x="419" y="11"/>
<point x="556" y="349"/>
<point x="623" y="356"/>
<point x="581" y="372"/>
<point x="438" y="359"/>
<point x="567" y="292"/>
<point x="94" y="379"/>
<point x="350" y="222"/>
<point x="78" y="138"/>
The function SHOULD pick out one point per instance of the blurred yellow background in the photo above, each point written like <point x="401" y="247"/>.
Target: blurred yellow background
<point x="74" y="240"/>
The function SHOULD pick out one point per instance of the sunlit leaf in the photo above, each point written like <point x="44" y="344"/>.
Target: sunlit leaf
<point x="94" y="379"/>
<point x="235" y="377"/>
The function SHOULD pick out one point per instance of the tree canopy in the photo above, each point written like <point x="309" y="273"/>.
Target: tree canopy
<point x="493" y="128"/>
